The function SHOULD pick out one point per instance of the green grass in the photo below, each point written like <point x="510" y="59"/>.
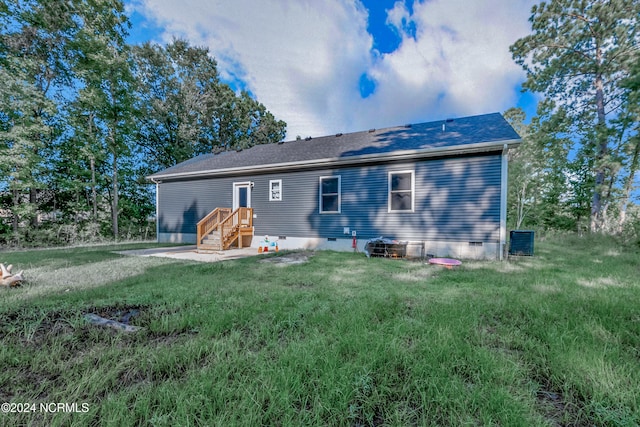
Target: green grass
<point x="339" y="340"/>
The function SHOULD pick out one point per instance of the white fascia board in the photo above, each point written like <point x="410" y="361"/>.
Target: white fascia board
<point x="339" y="161"/>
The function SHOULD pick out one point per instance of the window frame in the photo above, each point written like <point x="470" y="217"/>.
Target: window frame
<point x="339" y="194"/>
<point x="271" y="182"/>
<point x="412" y="191"/>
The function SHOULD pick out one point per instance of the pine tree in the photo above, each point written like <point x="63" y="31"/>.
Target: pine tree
<point x="578" y="55"/>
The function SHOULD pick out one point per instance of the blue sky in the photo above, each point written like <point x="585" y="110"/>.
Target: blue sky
<point x="347" y="65"/>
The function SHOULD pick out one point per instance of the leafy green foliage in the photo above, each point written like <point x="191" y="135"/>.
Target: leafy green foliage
<point x="84" y="117"/>
<point x="29" y="65"/>
<point x="579" y="55"/>
<point x="186" y="111"/>
<point x="541" y="188"/>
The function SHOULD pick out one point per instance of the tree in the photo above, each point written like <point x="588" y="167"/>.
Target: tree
<point x="177" y="93"/>
<point x="631" y="118"/>
<point x="75" y="102"/>
<point x="241" y="122"/>
<point x="21" y="140"/>
<point x="81" y="154"/>
<point x="185" y="110"/>
<point x="33" y="37"/>
<point x="522" y="171"/>
<point x="538" y="185"/>
<point x="578" y="55"/>
<point x="104" y="67"/>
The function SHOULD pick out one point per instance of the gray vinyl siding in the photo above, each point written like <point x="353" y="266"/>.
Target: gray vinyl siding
<point x="456" y="199"/>
<point x="183" y="203"/>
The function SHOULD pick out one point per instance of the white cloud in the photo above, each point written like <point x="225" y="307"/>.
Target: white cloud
<point x="458" y="63"/>
<point x="303" y="58"/>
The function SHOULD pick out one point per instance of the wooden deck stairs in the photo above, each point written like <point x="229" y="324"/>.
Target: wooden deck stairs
<point x="223" y="228"/>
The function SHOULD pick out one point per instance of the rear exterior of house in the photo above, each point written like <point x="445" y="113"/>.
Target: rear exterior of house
<point x="441" y="186"/>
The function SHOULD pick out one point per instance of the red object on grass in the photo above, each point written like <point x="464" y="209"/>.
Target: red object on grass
<point x="446" y="262"/>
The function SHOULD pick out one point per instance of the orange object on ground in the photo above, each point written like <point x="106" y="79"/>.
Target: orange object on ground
<point x="445" y="262"/>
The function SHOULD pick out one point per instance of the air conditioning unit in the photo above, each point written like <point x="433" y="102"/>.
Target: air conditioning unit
<point x="521" y="242"/>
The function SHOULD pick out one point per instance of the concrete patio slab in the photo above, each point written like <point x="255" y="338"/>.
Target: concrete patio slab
<point x="191" y="253"/>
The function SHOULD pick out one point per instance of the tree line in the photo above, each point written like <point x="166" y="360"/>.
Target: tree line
<point x="578" y="164"/>
<point x="85" y="116"/>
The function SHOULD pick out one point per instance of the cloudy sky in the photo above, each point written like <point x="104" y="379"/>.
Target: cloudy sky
<point x="328" y="66"/>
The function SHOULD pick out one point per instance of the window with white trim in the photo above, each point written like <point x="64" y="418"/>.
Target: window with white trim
<point x="329" y="194"/>
<point x="401" y="191"/>
<point x="275" y="190"/>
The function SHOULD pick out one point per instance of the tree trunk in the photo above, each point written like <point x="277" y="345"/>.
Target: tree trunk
<point x="92" y="159"/>
<point x="521" y="205"/>
<point x="602" y="148"/>
<point x="114" y="144"/>
<point x="114" y="199"/>
<point x="94" y="195"/>
<point x="16" y="203"/>
<point x="33" y="201"/>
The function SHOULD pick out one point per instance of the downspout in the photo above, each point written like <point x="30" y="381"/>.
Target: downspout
<point x="503" y="200"/>
<point x="157" y="183"/>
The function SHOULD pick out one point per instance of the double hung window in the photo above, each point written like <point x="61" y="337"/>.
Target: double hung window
<point x="401" y="191"/>
<point x="275" y="190"/>
<point x="329" y="194"/>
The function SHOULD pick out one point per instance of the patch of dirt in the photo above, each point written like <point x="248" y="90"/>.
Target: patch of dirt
<point x="34" y="331"/>
<point x="557" y="408"/>
<point x="291" y="258"/>
<point x="39" y="329"/>
<point x="553" y="406"/>
<point x="75" y="341"/>
<point x="551" y="402"/>
<point x="122" y="314"/>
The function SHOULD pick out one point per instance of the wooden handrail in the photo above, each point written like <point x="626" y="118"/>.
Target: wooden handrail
<point x="210" y="222"/>
<point x="230" y="226"/>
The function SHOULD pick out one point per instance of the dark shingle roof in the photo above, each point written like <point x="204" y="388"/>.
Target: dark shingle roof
<point x="486" y="132"/>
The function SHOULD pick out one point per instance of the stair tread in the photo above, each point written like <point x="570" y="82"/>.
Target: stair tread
<point x="210" y="247"/>
<point x="235" y="227"/>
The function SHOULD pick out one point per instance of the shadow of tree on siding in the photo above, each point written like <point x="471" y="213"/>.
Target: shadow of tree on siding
<point x="457" y="199"/>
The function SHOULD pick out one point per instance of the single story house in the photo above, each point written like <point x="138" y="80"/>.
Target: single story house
<point x="441" y="186"/>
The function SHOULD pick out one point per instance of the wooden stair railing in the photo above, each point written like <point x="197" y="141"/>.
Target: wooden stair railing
<point x="209" y="223"/>
<point x="235" y="227"/>
<point x="221" y="228"/>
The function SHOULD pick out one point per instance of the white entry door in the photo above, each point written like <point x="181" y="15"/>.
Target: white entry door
<point x="241" y="195"/>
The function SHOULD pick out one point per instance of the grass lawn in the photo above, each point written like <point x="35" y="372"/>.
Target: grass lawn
<point x="338" y="340"/>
